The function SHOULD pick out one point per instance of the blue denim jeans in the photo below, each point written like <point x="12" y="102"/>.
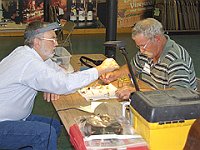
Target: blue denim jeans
<point x="34" y="133"/>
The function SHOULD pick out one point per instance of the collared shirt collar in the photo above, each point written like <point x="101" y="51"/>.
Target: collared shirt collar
<point x="166" y="49"/>
<point x="34" y="52"/>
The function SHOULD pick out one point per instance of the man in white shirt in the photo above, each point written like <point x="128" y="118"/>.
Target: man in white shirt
<point x="25" y="71"/>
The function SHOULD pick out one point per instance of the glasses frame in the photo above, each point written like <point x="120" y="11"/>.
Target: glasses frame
<point x="54" y="39"/>
<point x="143" y="46"/>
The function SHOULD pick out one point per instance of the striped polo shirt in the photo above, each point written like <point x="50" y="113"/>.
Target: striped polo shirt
<point x="173" y="69"/>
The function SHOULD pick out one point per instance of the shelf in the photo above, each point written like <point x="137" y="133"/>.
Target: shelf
<point x="20" y="32"/>
<point x="182" y="31"/>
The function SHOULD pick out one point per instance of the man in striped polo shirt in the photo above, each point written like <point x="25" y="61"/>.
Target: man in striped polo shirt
<point x="160" y="61"/>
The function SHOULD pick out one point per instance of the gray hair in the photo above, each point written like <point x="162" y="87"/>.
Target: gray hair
<point x="33" y="26"/>
<point x="148" y="27"/>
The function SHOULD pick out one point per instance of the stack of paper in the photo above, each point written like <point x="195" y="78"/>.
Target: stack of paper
<point x="98" y="92"/>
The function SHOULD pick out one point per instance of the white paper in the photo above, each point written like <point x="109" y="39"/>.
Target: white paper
<point x="98" y="92"/>
<point x="90" y="108"/>
<point x="111" y="136"/>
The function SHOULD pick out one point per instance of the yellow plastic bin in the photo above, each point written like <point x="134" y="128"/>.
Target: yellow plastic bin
<point x="164" y="118"/>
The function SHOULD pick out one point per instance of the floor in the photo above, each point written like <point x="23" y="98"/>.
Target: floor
<point x="94" y="44"/>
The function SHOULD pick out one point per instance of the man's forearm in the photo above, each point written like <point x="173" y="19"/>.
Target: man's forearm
<point x="123" y="70"/>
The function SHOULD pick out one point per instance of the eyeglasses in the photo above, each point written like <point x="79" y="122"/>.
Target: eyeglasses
<point x="54" y="39"/>
<point x="143" y="46"/>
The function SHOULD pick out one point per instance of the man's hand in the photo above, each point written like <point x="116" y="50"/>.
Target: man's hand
<point x="108" y="65"/>
<point x="50" y="97"/>
<point x="124" y="92"/>
<point x="109" y="77"/>
<point x="112" y="76"/>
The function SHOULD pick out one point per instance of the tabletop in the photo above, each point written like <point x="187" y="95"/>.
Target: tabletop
<point x="67" y="104"/>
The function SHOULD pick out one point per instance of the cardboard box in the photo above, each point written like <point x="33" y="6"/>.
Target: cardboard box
<point x="164" y="118"/>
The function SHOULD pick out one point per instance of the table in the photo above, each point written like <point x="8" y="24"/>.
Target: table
<point x="75" y="100"/>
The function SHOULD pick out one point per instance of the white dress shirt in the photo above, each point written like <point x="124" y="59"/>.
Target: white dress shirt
<point x="23" y="73"/>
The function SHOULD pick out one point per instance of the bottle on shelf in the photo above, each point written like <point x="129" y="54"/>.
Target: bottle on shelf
<point x="81" y="12"/>
<point x="73" y="13"/>
<point x="90" y="7"/>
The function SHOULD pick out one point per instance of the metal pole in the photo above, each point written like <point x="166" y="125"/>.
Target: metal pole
<point x="124" y="52"/>
<point x="46" y="11"/>
<point x="111" y="26"/>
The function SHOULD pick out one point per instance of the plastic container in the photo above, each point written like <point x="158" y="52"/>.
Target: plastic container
<point x="164" y="118"/>
<point x="62" y="57"/>
<point x="104" y="132"/>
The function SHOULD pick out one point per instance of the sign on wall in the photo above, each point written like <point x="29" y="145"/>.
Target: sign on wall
<point x="131" y="11"/>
